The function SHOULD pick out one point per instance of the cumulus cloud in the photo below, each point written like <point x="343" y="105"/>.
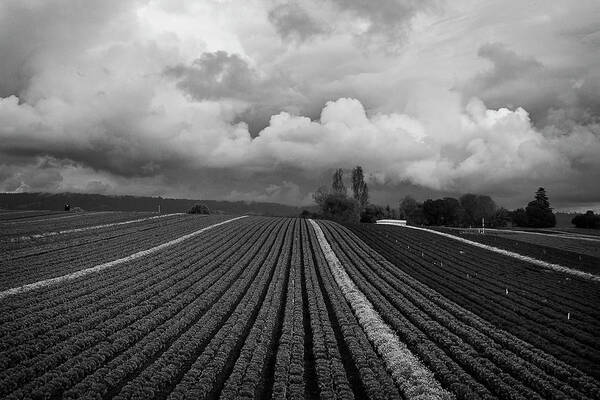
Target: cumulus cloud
<point x="489" y="149"/>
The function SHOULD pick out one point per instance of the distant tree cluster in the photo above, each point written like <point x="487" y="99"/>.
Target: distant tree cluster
<point x="199" y="209"/>
<point x="588" y="220"/>
<point x="335" y="204"/>
<point x="537" y="214"/>
<point x="468" y="210"/>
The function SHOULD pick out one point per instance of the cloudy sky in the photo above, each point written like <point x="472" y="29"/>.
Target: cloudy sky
<point x="262" y="99"/>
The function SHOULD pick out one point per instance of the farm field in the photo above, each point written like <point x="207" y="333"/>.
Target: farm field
<point x="13" y="215"/>
<point x="125" y="305"/>
<point x="25" y="227"/>
<point x="570" y="250"/>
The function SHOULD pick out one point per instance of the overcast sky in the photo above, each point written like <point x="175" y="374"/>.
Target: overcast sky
<point x="261" y="100"/>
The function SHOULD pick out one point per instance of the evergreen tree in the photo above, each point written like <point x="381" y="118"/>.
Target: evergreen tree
<point x="539" y="213"/>
<point x="542" y="199"/>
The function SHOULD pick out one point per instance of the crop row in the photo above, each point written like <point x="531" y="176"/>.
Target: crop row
<point x="78" y="346"/>
<point x="411" y="376"/>
<point x="583" y="255"/>
<point x="426" y="324"/>
<point x="289" y="369"/>
<point x="72" y="240"/>
<point x="6" y="216"/>
<point x="214" y="359"/>
<point x="155" y="374"/>
<point x="366" y="371"/>
<point x="325" y="349"/>
<point x="17" y="271"/>
<point x="478" y="282"/>
<point x="34" y="226"/>
<point x="53" y="303"/>
<point x="552" y="293"/>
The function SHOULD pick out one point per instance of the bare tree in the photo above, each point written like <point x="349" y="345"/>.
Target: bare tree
<point x="337" y="186"/>
<point x="320" y="195"/>
<point x="359" y="187"/>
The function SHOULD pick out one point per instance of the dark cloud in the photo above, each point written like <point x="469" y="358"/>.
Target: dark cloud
<point x="552" y="95"/>
<point x="293" y="22"/>
<point x="220" y="75"/>
<point x="216" y="75"/>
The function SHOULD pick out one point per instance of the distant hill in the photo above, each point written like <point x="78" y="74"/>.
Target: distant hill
<point x="98" y="202"/>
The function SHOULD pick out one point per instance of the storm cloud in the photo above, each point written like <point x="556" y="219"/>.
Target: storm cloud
<point x="262" y="100"/>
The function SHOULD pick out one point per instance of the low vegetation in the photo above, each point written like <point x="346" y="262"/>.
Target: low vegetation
<point x="589" y="220"/>
<point x="199" y="209"/>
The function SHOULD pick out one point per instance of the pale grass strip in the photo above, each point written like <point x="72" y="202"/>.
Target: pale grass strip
<point x="412" y="377"/>
<point x="88" y="228"/>
<point x="555" y="267"/>
<point x="135" y="256"/>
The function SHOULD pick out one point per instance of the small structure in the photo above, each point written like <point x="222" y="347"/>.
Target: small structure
<point x="67" y="207"/>
<point x="400" y="222"/>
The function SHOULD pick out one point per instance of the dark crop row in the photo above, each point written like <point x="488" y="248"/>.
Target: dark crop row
<point x="13" y="215"/>
<point x="572" y="253"/>
<point x="252" y="309"/>
<point x="54" y="242"/>
<point x="114" y="316"/>
<point x="21" y="230"/>
<point x="246" y="310"/>
<point x="111" y="244"/>
<point x="520" y="298"/>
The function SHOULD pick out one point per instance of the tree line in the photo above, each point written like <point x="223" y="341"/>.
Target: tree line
<point x="469" y="210"/>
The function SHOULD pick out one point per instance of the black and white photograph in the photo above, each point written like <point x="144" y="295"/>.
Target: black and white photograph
<point x="300" y="199"/>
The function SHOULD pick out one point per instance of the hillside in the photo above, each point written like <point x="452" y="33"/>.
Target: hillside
<point x="98" y="202"/>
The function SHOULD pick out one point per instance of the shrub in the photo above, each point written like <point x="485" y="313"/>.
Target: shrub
<point x="199" y="209"/>
<point x="309" y="214"/>
<point x="372" y="213"/>
<point x="588" y="220"/>
<point x="340" y="208"/>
